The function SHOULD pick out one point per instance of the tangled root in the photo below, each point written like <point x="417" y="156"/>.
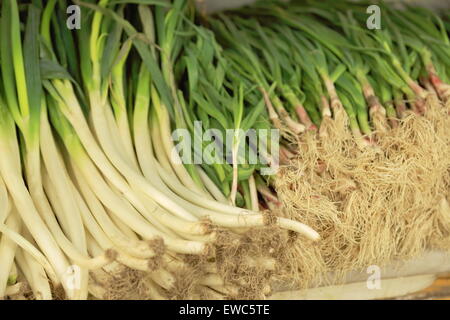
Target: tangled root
<point x="370" y="205"/>
<point x="122" y="284"/>
<point x="187" y="278"/>
<point x="378" y="115"/>
<point x="331" y="129"/>
<point x="441" y="224"/>
<point x="248" y="261"/>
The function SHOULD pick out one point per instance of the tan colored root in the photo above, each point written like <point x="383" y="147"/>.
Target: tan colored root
<point x="338" y="125"/>
<point x="242" y="266"/>
<point x="441" y="223"/>
<point x="187" y="278"/>
<point x="378" y="116"/>
<point x="373" y="205"/>
<point x="248" y="261"/>
<point x="124" y="284"/>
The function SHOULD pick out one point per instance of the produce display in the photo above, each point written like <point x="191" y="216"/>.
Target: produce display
<point x="156" y="152"/>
